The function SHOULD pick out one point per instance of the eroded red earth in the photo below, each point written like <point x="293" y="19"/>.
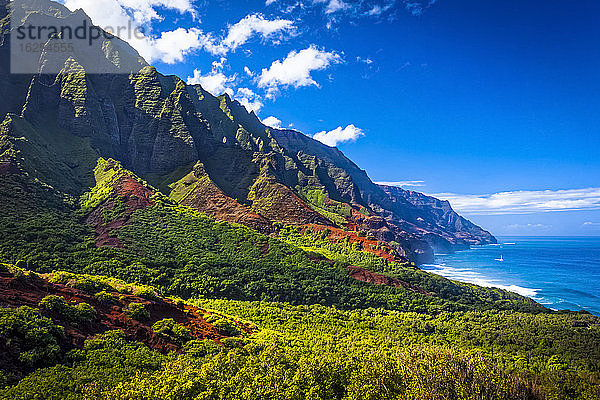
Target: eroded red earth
<point x="16" y="292"/>
<point x="376" y="247"/>
<point x="135" y="196"/>
<point x="365" y="275"/>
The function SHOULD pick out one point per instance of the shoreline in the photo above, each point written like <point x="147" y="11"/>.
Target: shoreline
<point x="545" y="269"/>
<point x="471" y="276"/>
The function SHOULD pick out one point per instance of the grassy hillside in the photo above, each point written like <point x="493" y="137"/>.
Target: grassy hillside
<point x="146" y="237"/>
<point x="310" y="352"/>
<point x="318" y="333"/>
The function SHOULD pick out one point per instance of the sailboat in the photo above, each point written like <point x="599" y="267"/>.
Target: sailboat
<point x="501" y="259"/>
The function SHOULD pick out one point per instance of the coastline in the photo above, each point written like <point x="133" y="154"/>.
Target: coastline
<point x="561" y="273"/>
<point x="476" y="278"/>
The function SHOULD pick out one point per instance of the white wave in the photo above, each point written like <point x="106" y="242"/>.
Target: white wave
<point x="509" y="244"/>
<point x="523" y="291"/>
<point x="470" y="276"/>
<point x="544" y="301"/>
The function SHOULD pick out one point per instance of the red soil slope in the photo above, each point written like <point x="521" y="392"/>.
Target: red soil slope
<point x="376" y="247"/>
<point x="208" y="198"/>
<point x="28" y="291"/>
<point x="135" y="196"/>
<point x="364" y="275"/>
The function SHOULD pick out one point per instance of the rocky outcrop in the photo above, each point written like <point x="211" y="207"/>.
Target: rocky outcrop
<point x="437" y="217"/>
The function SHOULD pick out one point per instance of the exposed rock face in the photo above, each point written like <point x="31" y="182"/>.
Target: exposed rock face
<point x="207" y="152"/>
<point x="438" y="217"/>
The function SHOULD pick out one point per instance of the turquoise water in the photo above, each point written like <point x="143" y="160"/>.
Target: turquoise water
<point x="562" y="273"/>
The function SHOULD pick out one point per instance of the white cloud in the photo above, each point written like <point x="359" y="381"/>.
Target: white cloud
<point x="376" y="10"/>
<point x="525" y="202"/>
<point x="215" y="82"/>
<point x="403" y="183"/>
<point x="145" y="10"/>
<point x="339" y="135"/>
<point x="242" y="31"/>
<point x="249" y="99"/>
<point x="295" y="70"/>
<point x="249" y="72"/>
<point x="589" y="224"/>
<point x="141" y="11"/>
<point x="527" y="227"/>
<point x="169" y="47"/>
<point x="273" y="122"/>
<point x="173" y="46"/>
<point x="417" y="8"/>
<point x="333" y="6"/>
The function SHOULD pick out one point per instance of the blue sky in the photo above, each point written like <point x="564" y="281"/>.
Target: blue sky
<point x="493" y="105"/>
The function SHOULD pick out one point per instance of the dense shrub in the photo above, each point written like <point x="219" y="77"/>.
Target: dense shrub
<point x="172" y="331"/>
<point x="224" y="326"/>
<point x="104" y="362"/>
<point x="28" y="338"/>
<point x="137" y="311"/>
<point x="147" y="293"/>
<point x="87" y="283"/>
<point x="80" y="312"/>
<point x="106" y="297"/>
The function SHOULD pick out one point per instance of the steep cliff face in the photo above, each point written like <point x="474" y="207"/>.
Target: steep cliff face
<point x="437" y="216"/>
<point x="207" y="152"/>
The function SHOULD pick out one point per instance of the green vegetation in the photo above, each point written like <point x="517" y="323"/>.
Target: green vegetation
<point x="224" y="325"/>
<point x="28" y="340"/>
<point x="87" y="283"/>
<point x="105" y="297"/>
<point x="514" y="340"/>
<point x="363" y="341"/>
<point x="319" y="200"/>
<point x="316" y="332"/>
<point x="137" y="311"/>
<point x="172" y="331"/>
<point x="79" y="312"/>
<point x="185" y="253"/>
<point x="316" y="352"/>
<point x="100" y="284"/>
<point x="104" y="362"/>
<point x="346" y="253"/>
<point x="106" y="173"/>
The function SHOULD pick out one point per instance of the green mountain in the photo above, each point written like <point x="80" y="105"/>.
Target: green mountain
<point x="138" y="213"/>
<point x="160" y="128"/>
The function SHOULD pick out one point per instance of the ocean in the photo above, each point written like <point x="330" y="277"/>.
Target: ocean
<point x="562" y="273"/>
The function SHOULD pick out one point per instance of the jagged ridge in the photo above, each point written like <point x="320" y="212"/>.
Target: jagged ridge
<point x="163" y="130"/>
